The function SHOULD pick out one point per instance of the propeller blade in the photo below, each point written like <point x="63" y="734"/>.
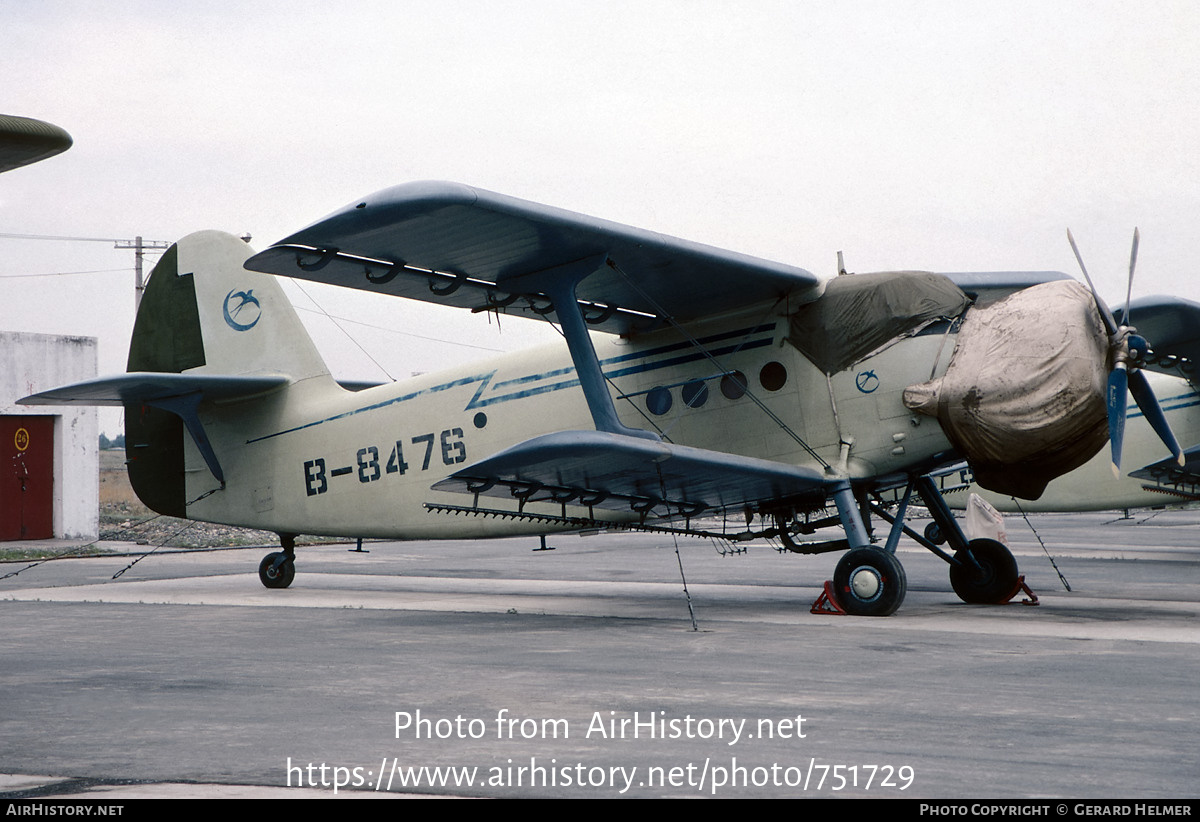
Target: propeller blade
<point x="1129" y="288"/>
<point x="1105" y="314"/>
<point x="1118" y="382"/>
<point x="1129" y="350"/>
<point x="1143" y="394"/>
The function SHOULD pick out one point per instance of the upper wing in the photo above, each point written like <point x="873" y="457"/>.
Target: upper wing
<point x="986" y="287"/>
<point x="448" y="243"/>
<point x="1172" y="327"/>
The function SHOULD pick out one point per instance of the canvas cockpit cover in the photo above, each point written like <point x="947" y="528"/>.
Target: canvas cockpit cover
<point x="860" y="314"/>
<point x="1023" y="396"/>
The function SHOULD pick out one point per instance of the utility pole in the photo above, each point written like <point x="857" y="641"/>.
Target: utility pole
<point x="139" y="247"/>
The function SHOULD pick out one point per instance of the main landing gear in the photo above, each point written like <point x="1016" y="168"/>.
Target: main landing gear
<point x="870" y="581"/>
<point x="985" y="574"/>
<point x="982" y="571"/>
<point x="278" y="569"/>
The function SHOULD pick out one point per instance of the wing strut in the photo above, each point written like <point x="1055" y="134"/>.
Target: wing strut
<point x="559" y="284"/>
<point x="185" y="407"/>
<point x="700" y="348"/>
<point x="852" y="521"/>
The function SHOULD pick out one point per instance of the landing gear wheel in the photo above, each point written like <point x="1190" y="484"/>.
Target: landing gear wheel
<point x="934" y="534"/>
<point x="276" y="570"/>
<point x="995" y="584"/>
<point x="869" y="582"/>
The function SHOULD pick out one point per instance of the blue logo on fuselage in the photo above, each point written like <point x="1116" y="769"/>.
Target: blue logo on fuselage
<point x="245" y="311"/>
<point x="866" y="381"/>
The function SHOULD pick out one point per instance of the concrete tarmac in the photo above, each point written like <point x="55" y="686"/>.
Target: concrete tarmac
<point x="488" y="669"/>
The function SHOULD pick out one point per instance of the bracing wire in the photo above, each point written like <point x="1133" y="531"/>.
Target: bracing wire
<point x="708" y="355"/>
<point x="1053" y="564"/>
<point x="349" y="336"/>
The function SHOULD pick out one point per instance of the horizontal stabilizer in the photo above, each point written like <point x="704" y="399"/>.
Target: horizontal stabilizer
<point x="146" y="386"/>
<point x="180" y="394"/>
<point x="466" y="247"/>
<point x="621" y="473"/>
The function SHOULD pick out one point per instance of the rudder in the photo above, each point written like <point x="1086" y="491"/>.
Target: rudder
<point x="203" y="313"/>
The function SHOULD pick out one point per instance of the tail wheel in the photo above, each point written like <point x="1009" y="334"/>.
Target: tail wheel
<point x="870" y="582"/>
<point x="276" y="570"/>
<point x="996" y="579"/>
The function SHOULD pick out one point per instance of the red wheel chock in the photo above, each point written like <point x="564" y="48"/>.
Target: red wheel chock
<point x="827" y="602"/>
<point x="1021" y="586"/>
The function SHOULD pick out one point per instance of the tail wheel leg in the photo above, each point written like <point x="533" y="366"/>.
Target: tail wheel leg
<point x="278" y="569"/>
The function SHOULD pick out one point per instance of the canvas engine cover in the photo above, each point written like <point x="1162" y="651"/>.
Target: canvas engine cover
<point x="1023" y="396"/>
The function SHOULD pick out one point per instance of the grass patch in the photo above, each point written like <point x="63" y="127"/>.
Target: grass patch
<point x="24" y="554"/>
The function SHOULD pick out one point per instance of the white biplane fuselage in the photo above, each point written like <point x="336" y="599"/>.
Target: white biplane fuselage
<point x="726" y="395"/>
<point x="323" y="460"/>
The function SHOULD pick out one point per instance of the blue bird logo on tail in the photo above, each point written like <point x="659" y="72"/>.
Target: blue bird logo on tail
<point x="245" y="311"/>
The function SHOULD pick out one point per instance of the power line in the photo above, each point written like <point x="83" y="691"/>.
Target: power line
<point x="324" y="313"/>
<point x="137" y="244"/>
<point x="58" y="237"/>
<point x="63" y="273"/>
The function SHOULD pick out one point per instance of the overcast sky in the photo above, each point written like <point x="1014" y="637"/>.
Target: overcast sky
<point x="942" y="136"/>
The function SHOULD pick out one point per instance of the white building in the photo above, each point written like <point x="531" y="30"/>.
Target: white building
<point x="49" y="455"/>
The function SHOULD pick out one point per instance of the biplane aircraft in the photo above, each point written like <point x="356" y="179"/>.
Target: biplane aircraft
<point x="699" y="391"/>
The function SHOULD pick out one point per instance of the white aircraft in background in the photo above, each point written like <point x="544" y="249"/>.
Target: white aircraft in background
<point x="722" y="395"/>
<point x="1157" y="481"/>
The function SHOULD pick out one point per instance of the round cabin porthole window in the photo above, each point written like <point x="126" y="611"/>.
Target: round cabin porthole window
<point x="695" y="393"/>
<point x="658" y="401"/>
<point x="772" y="376"/>
<point x="733" y="385"/>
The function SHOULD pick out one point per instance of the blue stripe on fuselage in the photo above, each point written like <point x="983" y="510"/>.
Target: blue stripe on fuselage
<point x="485" y="380"/>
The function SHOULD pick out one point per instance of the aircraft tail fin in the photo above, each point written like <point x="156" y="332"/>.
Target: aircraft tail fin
<point x="203" y="313"/>
<point x="228" y="333"/>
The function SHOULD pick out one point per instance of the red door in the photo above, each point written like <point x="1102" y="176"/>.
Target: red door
<point x="26" y="478"/>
